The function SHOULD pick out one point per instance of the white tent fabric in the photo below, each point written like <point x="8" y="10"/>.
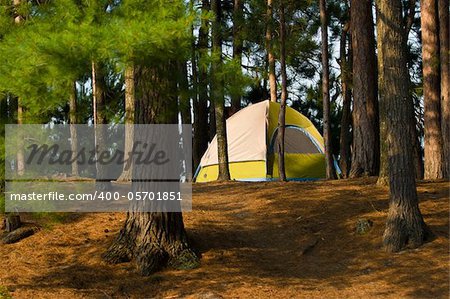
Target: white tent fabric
<point x="246" y="131"/>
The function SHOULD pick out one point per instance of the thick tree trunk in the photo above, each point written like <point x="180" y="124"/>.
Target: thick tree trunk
<point x="127" y="170"/>
<point x="366" y="140"/>
<point x="282" y="113"/>
<point x="99" y="109"/>
<point x="217" y="92"/>
<point x="330" y="173"/>
<point x="434" y="165"/>
<point x="346" y="119"/>
<point x="445" y="91"/>
<point x="238" y="42"/>
<point x="153" y="239"/>
<point x="201" y="106"/>
<point x="415" y="141"/>
<point x="405" y="225"/>
<point x="73" y="120"/>
<point x="269" y="49"/>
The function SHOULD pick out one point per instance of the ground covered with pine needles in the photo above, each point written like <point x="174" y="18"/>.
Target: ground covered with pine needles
<point x="257" y="240"/>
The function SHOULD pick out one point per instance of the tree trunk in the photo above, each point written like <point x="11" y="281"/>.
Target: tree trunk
<point x="73" y="120"/>
<point x="238" y="42"/>
<point x="366" y="140"/>
<point x="99" y="117"/>
<point x="405" y="225"/>
<point x="3" y="120"/>
<point x="127" y="170"/>
<point x="416" y="147"/>
<point x="434" y="166"/>
<point x="445" y="91"/>
<point x="184" y="102"/>
<point x="217" y="92"/>
<point x="282" y="113"/>
<point x="20" y="108"/>
<point x="326" y="93"/>
<point x="346" y="119"/>
<point x="212" y="113"/>
<point x="153" y="239"/>
<point x="201" y="106"/>
<point x="12" y="222"/>
<point x="270" y="55"/>
<point x="20" y="154"/>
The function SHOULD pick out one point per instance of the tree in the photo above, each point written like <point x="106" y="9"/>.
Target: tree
<point x="200" y="143"/>
<point x="217" y="92"/>
<point x="153" y="239"/>
<point x="127" y="171"/>
<point x="73" y="119"/>
<point x="270" y="54"/>
<point x="405" y="225"/>
<point x="20" y="108"/>
<point x="345" y="135"/>
<point x="99" y="116"/>
<point x="282" y="113"/>
<point x="238" y="43"/>
<point x="445" y="90"/>
<point x="365" y="155"/>
<point x="326" y="92"/>
<point x="416" y="148"/>
<point x="434" y="156"/>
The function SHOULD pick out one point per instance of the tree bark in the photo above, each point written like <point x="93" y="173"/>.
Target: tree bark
<point x="201" y="137"/>
<point x="415" y="141"/>
<point x="20" y="109"/>
<point x="20" y="154"/>
<point x="127" y="171"/>
<point x="3" y="120"/>
<point x="238" y="43"/>
<point x="434" y="166"/>
<point x="73" y="120"/>
<point x="153" y="239"/>
<point x="366" y="140"/>
<point x="282" y="113"/>
<point x="270" y="54"/>
<point x="445" y="91"/>
<point x="326" y="92"/>
<point x="346" y="119"/>
<point x="217" y="92"/>
<point x="184" y="102"/>
<point x="405" y="225"/>
<point x="99" y="111"/>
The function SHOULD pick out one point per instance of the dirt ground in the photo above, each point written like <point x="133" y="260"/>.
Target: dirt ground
<point x="258" y="240"/>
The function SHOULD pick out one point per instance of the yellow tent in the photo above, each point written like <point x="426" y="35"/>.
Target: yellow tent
<point x="252" y="145"/>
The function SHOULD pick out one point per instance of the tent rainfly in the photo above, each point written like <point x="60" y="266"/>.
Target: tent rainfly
<point x="252" y="147"/>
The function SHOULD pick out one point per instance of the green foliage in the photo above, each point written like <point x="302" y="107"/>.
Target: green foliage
<point x="42" y="57"/>
<point x="4" y="293"/>
<point x="2" y="203"/>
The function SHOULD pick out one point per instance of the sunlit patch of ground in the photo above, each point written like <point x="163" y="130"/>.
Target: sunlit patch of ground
<point x="271" y="240"/>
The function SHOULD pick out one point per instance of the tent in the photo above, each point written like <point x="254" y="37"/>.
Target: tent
<point x="252" y="144"/>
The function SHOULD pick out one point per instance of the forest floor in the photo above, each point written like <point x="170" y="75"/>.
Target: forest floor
<point x="257" y="240"/>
